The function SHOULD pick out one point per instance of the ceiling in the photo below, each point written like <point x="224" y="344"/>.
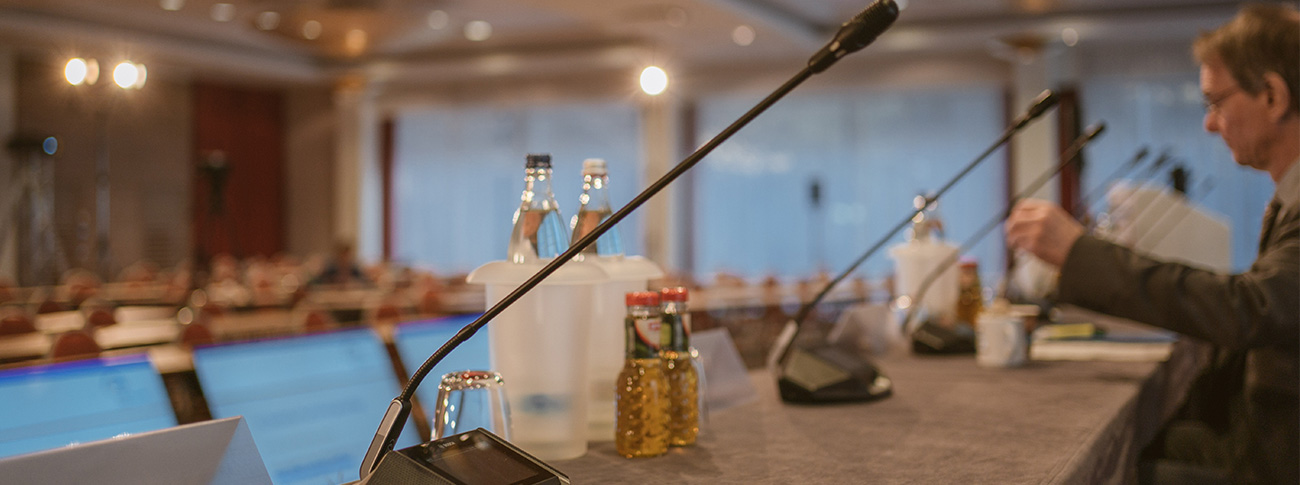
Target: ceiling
<point x="314" y="40"/>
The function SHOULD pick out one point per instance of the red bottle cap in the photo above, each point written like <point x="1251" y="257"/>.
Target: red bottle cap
<point x="678" y="293"/>
<point x="642" y="298"/>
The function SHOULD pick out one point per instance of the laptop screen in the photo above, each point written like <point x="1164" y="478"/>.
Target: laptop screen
<point x="312" y="402"/>
<point x="417" y="340"/>
<point x="49" y="406"/>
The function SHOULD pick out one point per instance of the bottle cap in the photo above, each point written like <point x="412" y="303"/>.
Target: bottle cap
<point x="537" y="160"/>
<point x="642" y="298"/>
<point x="594" y="166"/>
<point x="677" y="293"/>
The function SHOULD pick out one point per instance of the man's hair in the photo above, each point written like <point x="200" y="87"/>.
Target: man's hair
<point x="1262" y="38"/>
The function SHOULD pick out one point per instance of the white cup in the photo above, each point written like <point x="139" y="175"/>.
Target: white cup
<point x="1001" y="340"/>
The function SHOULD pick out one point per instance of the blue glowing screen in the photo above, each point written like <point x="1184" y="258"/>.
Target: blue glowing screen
<point x="313" y="403"/>
<point x="49" y="406"/>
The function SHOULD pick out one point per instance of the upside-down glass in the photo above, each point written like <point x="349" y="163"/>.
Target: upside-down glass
<point x="471" y="399"/>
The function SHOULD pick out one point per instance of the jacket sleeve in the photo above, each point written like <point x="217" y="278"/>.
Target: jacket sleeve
<point x="1258" y="308"/>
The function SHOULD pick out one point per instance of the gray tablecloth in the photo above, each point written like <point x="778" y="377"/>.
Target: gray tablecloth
<point x="949" y="421"/>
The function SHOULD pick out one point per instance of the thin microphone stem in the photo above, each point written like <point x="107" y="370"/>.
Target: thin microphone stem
<point x="1071" y="154"/>
<point x="1141" y="181"/>
<point x="1132" y="197"/>
<point x="1123" y="170"/>
<point x="1044" y="102"/>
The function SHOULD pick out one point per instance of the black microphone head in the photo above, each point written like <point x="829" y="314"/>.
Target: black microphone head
<point x="855" y="34"/>
<point x="1045" y="101"/>
<point x="1141" y="154"/>
<point x="1164" y="158"/>
<point x="868" y="24"/>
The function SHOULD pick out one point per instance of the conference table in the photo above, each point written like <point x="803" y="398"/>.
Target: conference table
<point x="948" y="421"/>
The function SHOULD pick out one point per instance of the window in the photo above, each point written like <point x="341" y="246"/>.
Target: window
<point x="458" y="173"/>
<point x="870" y="152"/>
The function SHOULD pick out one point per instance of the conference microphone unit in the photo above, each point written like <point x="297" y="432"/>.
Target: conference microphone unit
<point x="851" y="37"/>
<point x="1069" y="156"/>
<point x="827" y="373"/>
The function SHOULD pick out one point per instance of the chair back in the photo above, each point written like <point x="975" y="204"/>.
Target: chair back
<point x="77" y="343"/>
<point x="100" y="317"/>
<point x="16" y="324"/>
<point x="196" y="333"/>
<point x="318" y="321"/>
<point x="49" y="306"/>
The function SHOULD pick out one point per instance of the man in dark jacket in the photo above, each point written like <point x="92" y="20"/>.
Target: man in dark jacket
<point x="1250" y="77"/>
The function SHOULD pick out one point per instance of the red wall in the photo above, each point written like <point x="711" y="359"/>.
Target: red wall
<point x="247" y="126"/>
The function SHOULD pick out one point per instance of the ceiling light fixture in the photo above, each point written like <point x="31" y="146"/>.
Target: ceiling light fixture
<point x="129" y="75"/>
<point x="311" y="29"/>
<point x="223" y="12"/>
<point x="438" y="20"/>
<point x="268" y="20"/>
<point x="78" y="71"/>
<point x="355" y="41"/>
<point x="654" y="80"/>
<point x="1069" y="36"/>
<point x="171" y="5"/>
<point x="742" y="35"/>
<point x="478" y="30"/>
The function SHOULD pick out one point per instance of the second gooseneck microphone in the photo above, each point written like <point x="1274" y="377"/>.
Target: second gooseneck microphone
<point x="824" y="374"/>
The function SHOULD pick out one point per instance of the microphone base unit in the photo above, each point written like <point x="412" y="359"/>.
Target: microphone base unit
<point x="829" y="374"/>
<point x="475" y="457"/>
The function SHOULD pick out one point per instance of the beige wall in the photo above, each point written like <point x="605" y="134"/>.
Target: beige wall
<point x="8" y="120"/>
<point x="309" y="169"/>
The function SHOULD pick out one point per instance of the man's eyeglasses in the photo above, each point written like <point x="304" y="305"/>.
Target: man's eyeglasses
<point x="1211" y="103"/>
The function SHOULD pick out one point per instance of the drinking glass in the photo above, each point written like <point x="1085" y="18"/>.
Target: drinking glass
<point x="471" y="399"/>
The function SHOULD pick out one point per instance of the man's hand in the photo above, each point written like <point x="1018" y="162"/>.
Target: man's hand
<point x="1044" y="229"/>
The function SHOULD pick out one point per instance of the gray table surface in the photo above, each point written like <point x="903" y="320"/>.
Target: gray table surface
<point x="949" y="421"/>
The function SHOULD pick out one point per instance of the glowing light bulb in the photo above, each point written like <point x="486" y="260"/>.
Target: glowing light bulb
<point x="126" y="75"/>
<point x="654" y="80"/>
<point x="75" y="71"/>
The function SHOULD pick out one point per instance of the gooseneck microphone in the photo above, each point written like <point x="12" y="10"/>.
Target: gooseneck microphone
<point x="1071" y="154"/>
<point x="853" y="36"/>
<point x="828" y="374"/>
<point x="1087" y="200"/>
<point x="1141" y="181"/>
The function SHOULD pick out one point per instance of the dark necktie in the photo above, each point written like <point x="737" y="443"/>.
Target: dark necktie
<point x="1270" y="216"/>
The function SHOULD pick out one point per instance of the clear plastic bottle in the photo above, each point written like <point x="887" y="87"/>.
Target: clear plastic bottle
<point x="927" y="225"/>
<point x="595" y="209"/>
<point x="679" y="370"/>
<point x="539" y="228"/>
<point x="641" y="428"/>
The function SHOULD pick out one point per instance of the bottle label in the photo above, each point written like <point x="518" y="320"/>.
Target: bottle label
<point x="676" y="332"/>
<point x="643" y="336"/>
